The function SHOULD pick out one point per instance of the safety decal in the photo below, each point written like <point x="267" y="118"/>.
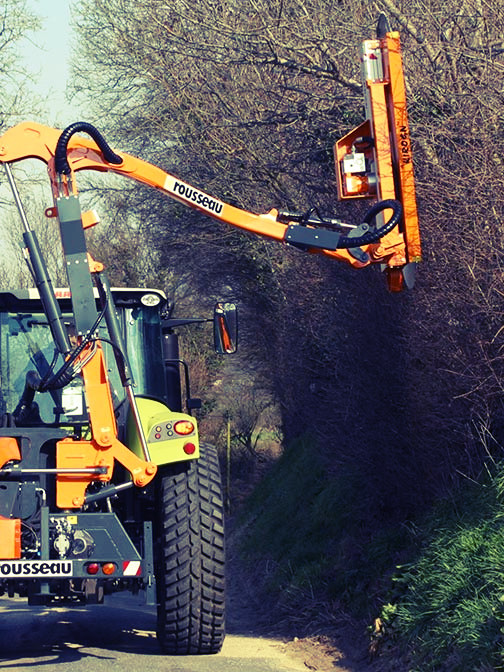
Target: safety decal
<point x="15" y="569"/>
<point x="191" y="195"/>
<point x="132" y="568"/>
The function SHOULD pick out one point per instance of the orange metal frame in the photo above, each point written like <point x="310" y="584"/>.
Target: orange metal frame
<point x="398" y="113"/>
<point x="104" y="446"/>
<point x="390" y="150"/>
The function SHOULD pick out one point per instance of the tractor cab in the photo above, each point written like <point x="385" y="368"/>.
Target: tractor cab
<point x="27" y="350"/>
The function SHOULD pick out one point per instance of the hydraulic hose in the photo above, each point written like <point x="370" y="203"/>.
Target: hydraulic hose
<point x="374" y="235"/>
<point x="311" y="230"/>
<point x="60" y="156"/>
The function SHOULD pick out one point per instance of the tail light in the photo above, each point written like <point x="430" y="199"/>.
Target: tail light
<point x="189" y="448"/>
<point x="108" y="568"/>
<point x="183" y="427"/>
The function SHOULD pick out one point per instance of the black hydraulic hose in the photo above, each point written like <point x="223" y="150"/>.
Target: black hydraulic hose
<point x="60" y="156"/>
<point x="66" y="373"/>
<point x="28" y="395"/>
<point x="374" y="235"/>
<point x="119" y="349"/>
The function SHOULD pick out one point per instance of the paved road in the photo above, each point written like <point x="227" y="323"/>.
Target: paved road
<point x="118" y="635"/>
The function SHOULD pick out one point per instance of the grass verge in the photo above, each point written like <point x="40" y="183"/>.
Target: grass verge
<point x="316" y="548"/>
<point x="312" y="531"/>
<point x="447" y="606"/>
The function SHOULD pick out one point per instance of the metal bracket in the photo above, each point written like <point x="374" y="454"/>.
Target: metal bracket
<point x="357" y="252"/>
<point x="148" y="562"/>
<point x="77" y="265"/>
<point x="307" y="237"/>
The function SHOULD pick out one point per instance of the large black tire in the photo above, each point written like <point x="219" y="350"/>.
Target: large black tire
<point x="190" y="574"/>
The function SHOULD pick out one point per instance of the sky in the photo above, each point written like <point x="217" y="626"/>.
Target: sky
<point x="47" y="56"/>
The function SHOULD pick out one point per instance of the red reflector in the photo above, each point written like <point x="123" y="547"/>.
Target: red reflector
<point x="189" y="448"/>
<point x="132" y="568"/>
<point x="108" y="568"/>
<point x="93" y="568"/>
<point x="184" y="427"/>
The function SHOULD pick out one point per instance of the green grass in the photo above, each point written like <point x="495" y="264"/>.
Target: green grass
<point x="312" y="526"/>
<point x="445" y="609"/>
<point x="448" y="608"/>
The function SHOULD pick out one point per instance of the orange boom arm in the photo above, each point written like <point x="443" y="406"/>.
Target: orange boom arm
<point x="374" y="160"/>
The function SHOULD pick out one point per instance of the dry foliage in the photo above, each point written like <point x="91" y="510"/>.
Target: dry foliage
<point x="16" y="23"/>
<point x="245" y="99"/>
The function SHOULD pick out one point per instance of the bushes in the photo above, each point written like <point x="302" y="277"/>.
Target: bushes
<point x="395" y="383"/>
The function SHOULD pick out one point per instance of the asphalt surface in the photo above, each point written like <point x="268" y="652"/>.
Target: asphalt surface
<point x="119" y="635"/>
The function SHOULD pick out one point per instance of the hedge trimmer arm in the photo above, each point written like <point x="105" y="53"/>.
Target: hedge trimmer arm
<point x="373" y="161"/>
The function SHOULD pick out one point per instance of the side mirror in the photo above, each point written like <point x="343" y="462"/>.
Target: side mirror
<point x="225" y="321"/>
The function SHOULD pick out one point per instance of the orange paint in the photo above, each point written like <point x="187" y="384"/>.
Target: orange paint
<point x="9" y="450"/>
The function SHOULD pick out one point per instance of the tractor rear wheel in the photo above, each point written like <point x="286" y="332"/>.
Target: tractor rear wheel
<point x="190" y="557"/>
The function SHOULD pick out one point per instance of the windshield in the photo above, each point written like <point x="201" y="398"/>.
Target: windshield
<point x="26" y="345"/>
<point x="143" y="340"/>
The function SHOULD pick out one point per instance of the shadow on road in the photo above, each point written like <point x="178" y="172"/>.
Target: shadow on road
<point x="251" y="613"/>
<point x="94" y="637"/>
<point x="64" y="632"/>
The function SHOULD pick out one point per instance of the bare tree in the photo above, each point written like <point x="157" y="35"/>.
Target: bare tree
<point x="249" y="86"/>
<point x="16" y="22"/>
<point x="245" y="99"/>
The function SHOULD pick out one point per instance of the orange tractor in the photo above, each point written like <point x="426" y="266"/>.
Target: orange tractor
<point x="104" y="484"/>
